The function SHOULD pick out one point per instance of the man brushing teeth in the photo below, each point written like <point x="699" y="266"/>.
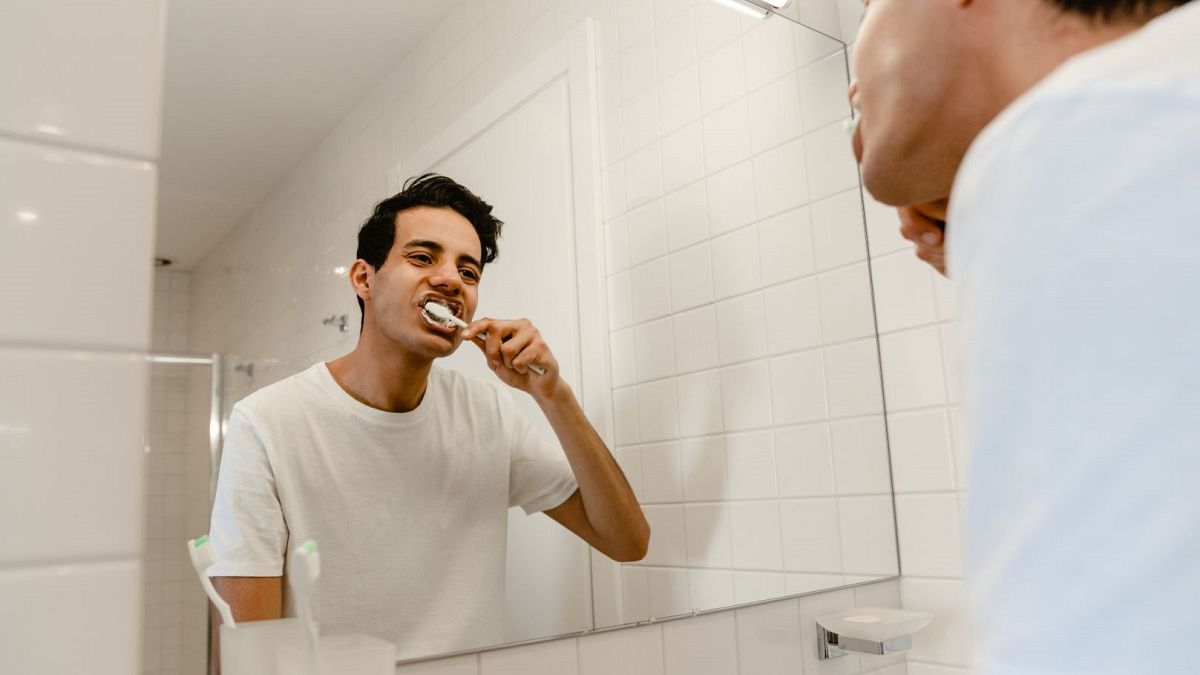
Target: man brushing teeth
<point x="403" y="472"/>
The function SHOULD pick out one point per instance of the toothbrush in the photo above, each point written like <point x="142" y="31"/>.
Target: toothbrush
<point x="302" y="577"/>
<point x="202" y="558"/>
<point x="440" y="311"/>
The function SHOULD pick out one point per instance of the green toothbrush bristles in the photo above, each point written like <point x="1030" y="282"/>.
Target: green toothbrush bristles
<point x="310" y="546"/>
<point x="200" y="541"/>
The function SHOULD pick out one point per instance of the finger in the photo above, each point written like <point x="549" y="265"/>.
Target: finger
<point x="515" y="344"/>
<point x="918" y="228"/>
<point x="476" y="328"/>
<point x="532" y="354"/>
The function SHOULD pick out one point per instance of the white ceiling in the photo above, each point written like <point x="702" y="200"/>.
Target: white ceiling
<point x="251" y="87"/>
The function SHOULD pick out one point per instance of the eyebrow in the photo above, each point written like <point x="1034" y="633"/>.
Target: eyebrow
<point x="434" y="246"/>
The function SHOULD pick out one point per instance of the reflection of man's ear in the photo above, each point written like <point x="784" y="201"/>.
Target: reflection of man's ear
<point x="362" y="275"/>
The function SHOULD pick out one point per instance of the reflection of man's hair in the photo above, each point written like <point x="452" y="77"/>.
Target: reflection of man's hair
<point x="1119" y="10"/>
<point x="377" y="236"/>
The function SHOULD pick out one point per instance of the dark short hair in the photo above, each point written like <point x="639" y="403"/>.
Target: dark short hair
<point x="378" y="234"/>
<point x="1108" y="10"/>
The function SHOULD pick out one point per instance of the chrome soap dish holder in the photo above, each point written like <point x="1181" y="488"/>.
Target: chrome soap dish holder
<point x="867" y="630"/>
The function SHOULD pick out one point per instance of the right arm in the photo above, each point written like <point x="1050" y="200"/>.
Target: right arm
<point x="250" y="599"/>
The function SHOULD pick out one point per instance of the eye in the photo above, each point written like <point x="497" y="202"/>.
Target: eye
<point x="469" y="274"/>
<point x="423" y="258"/>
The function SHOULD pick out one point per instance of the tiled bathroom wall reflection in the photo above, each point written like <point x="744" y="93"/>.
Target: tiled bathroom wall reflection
<point x="747" y="398"/>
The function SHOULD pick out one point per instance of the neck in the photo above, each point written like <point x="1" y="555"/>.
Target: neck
<point x="1041" y="39"/>
<point x="381" y="374"/>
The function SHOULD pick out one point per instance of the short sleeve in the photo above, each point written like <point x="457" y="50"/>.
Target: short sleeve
<point x="248" y="532"/>
<point x="540" y="477"/>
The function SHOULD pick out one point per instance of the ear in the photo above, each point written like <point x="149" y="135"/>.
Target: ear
<point x="362" y="276"/>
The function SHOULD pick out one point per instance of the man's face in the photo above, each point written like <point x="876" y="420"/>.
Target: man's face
<point x="435" y="256"/>
<point x="909" y="59"/>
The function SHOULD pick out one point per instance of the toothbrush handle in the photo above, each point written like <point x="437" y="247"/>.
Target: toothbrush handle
<point x="218" y="601"/>
<point x="482" y="337"/>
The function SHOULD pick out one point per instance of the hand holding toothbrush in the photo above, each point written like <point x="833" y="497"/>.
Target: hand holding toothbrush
<point x="516" y="352"/>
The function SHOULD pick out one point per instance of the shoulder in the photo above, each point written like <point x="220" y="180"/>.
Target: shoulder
<point x="281" y="397"/>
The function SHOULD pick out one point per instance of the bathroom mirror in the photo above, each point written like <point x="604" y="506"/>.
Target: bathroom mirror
<point x="684" y="223"/>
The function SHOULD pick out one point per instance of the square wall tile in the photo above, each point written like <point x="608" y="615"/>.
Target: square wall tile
<point x="731" y="198"/>
<point x="920" y="450"/>
<point x="667" y="545"/>
<point x="811" y="539"/>
<point x="616" y="245"/>
<point x="98" y="605"/>
<point x="696" y="340"/>
<point x="793" y="316"/>
<point x="691" y="277"/>
<point x="769" y="54"/>
<point x="722" y="76"/>
<point x="683" y="157"/>
<point x="798" y="388"/>
<point x="636" y="651"/>
<point x="751" y="459"/>
<point x="846" y="305"/>
<point x="699" y="397"/>
<point x="726" y="136"/>
<point x="912" y="369"/>
<point x="779" y="179"/>
<point x="655" y="350"/>
<point x="838" y="230"/>
<point x="740" y="324"/>
<point x="635" y="20"/>
<point x="635" y="593"/>
<point x="709" y="533"/>
<point x="661" y="477"/>
<point x="68" y="419"/>
<point x="803" y="461"/>
<point x="823" y="92"/>
<point x="883" y="227"/>
<point x="705" y="645"/>
<point x="704" y="470"/>
<point x="637" y="68"/>
<point x="650" y="291"/>
<point x="775" y="109"/>
<point x="930" y="531"/>
<point x="714" y="26"/>
<point x="643" y="176"/>
<point x="625" y="415"/>
<point x="557" y="657"/>
<point x="657" y="410"/>
<point x="868" y="535"/>
<point x="860" y="456"/>
<point x="647" y="232"/>
<point x="97" y="81"/>
<point x="903" y="292"/>
<point x="679" y="99"/>
<point x="831" y="164"/>
<point x="620" y="300"/>
<point x="736" y="267"/>
<point x="757" y="543"/>
<point x="687" y="216"/>
<point x="746" y="396"/>
<point x="669" y="594"/>
<point x="101" y="230"/>
<point x="623" y="350"/>
<point x="639" y="121"/>
<point x="710" y="589"/>
<point x="769" y="639"/>
<point x="852" y="379"/>
<point x="675" y="43"/>
<point x="786" y="244"/>
<point x="612" y="181"/>
<point x="948" y="640"/>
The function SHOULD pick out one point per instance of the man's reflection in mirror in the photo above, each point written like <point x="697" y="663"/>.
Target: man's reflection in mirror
<point x="403" y="471"/>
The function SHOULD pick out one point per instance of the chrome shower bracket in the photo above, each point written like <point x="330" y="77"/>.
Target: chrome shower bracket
<point x="831" y="645"/>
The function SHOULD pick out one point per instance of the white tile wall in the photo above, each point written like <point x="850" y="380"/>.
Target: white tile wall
<point x="78" y="146"/>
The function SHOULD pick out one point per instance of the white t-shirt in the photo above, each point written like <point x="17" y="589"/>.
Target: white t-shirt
<point x="1074" y="242"/>
<point x="409" y="510"/>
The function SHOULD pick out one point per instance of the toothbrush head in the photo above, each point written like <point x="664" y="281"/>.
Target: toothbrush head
<point x="442" y="314"/>
<point x="305" y="567"/>
<point x="201" y="553"/>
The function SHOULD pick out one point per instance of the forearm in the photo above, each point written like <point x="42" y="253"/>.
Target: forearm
<point x="611" y="508"/>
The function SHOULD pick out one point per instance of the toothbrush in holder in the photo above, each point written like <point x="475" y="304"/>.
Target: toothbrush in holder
<point x="442" y="312"/>
<point x="203" y="557"/>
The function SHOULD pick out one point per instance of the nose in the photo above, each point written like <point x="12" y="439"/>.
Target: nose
<point x="445" y="279"/>
<point x="852" y="94"/>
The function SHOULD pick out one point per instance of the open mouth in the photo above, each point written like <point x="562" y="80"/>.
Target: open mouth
<point x="438" y="322"/>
